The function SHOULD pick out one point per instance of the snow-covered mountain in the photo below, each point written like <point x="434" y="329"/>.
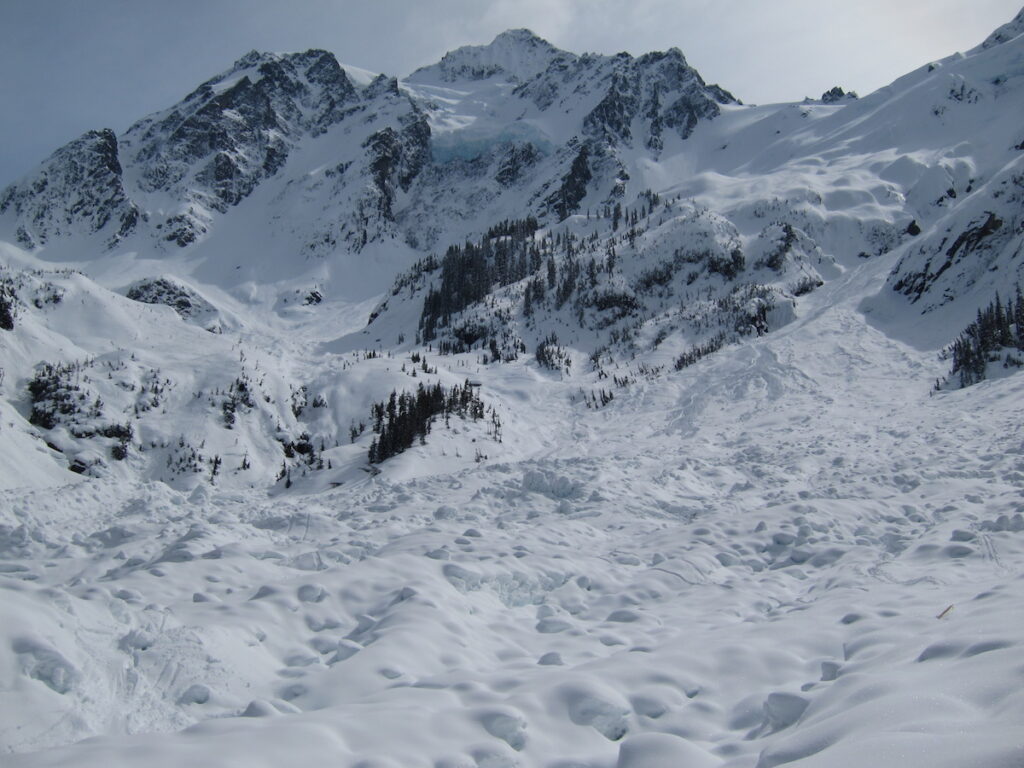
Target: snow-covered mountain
<point x="560" y="405"/>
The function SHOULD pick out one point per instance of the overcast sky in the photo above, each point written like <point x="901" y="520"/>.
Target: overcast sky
<point x="72" y="65"/>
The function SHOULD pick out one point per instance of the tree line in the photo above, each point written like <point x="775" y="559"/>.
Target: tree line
<point x="470" y="272"/>
<point x="406" y="417"/>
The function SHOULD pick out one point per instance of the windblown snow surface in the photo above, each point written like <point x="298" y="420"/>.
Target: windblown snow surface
<point x="792" y="552"/>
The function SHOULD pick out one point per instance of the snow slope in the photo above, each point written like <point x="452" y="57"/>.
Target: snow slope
<point x="753" y="576"/>
<point x="789" y="551"/>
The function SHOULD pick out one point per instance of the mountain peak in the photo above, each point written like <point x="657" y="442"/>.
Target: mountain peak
<point x="254" y="59"/>
<point x="251" y="59"/>
<point x="83" y="181"/>
<point x="519" y="37"/>
<point x="516" y="54"/>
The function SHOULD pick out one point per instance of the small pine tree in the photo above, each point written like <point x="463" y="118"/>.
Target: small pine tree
<point x="6" y="309"/>
<point x="995" y="327"/>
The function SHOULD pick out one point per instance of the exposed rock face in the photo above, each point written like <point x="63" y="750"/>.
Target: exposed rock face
<point x="650" y="94"/>
<point x="574" y="186"/>
<point x="518" y="158"/>
<point x="396" y="157"/>
<point x="968" y="249"/>
<point x="240" y="126"/>
<point x="192" y="307"/>
<point x="78" y="190"/>
<point x="1006" y="32"/>
<point x="236" y="130"/>
<point x="836" y="94"/>
<point x="386" y="175"/>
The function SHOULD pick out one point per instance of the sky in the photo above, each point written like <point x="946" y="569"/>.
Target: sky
<point x="70" y="66"/>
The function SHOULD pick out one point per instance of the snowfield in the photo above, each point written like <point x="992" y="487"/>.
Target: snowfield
<point x="794" y="551"/>
<point x="786" y="553"/>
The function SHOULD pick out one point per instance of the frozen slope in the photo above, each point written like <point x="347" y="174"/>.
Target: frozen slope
<point x="789" y="552"/>
<point x="741" y="564"/>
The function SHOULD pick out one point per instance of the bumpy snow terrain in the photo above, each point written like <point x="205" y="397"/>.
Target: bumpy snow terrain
<point x="695" y="486"/>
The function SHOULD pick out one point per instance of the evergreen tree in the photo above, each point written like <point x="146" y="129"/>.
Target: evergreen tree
<point x="410" y="417"/>
<point x="995" y="327"/>
<point x="7" y="305"/>
<point x="471" y="271"/>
